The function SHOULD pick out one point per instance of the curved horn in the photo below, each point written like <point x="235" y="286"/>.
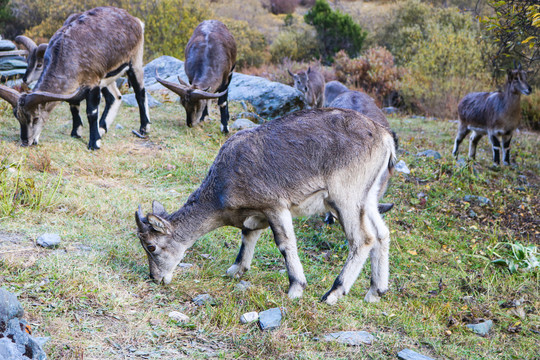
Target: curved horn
<point x="10" y="95"/>
<point x="40" y="52"/>
<point x="183" y="82"/>
<point x="40" y="97"/>
<point x="178" y="89"/>
<point x="202" y="95"/>
<point x="290" y="73"/>
<point x="140" y="219"/>
<point x="28" y="43"/>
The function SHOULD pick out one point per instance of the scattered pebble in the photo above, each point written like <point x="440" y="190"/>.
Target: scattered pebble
<point x="243" y="285"/>
<point x="430" y="153"/>
<point x="178" y="316"/>
<point x="207" y="256"/>
<point x="185" y="265"/>
<point x="472" y="214"/>
<point x="461" y="162"/>
<point x="119" y="126"/>
<point x="402" y="167"/>
<point x="204" y="299"/>
<point x="241" y="124"/>
<point x="354" y="338"/>
<point x="407" y="354"/>
<point x="270" y="319"/>
<point x="48" y="240"/>
<point x="481" y="329"/>
<point x="479" y="200"/>
<point x="249" y="317"/>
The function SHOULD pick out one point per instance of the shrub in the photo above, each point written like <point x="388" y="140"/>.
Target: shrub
<point x="295" y="42"/>
<point x="170" y="24"/>
<point x="530" y="110"/>
<point x="336" y="31"/>
<point x="374" y="72"/>
<point x="251" y="45"/>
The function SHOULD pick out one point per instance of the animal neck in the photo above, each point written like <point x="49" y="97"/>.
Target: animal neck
<point x="195" y="219"/>
<point x="512" y="98"/>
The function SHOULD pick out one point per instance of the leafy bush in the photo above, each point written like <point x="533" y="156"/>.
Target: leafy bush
<point x="336" y="31"/>
<point x="170" y="24"/>
<point x="251" y="45"/>
<point x="530" y="110"/>
<point x="374" y="72"/>
<point x="296" y="42"/>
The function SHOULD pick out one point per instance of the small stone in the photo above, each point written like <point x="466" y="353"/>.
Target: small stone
<point x="185" y="265"/>
<point x="479" y="200"/>
<point x="48" y="240"/>
<point x="481" y="329"/>
<point x="241" y="124"/>
<point x="243" y="285"/>
<point x="119" y="126"/>
<point x="207" y="256"/>
<point x="402" y="167"/>
<point x="407" y="354"/>
<point x="472" y="214"/>
<point x="430" y="153"/>
<point x="461" y="162"/>
<point x="270" y="319"/>
<point x="389" y="110"/>
<point x="178" y="316"/>
<point x="249" y="317"/>
<point x="354" y="338"/>
<point x="204" y="299"/>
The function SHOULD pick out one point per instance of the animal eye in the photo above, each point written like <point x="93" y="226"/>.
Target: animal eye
<point x="35" y="121"/>
<point x="151" y="248"/>
<point x="39" y="65"/>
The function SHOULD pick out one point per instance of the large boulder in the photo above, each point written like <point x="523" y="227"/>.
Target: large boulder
<point x="270" y="99"/>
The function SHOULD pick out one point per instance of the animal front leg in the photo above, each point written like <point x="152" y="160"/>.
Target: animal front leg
<point x="224" y="112"/>
<point x="136" y="79"/>
<point x="282" y="227"/>
<point x="77" y="121"/>
<point x="462" y="132"/>
<point x="92" y="110"/>
<point x="506" y="148"/>
<point x="496" y="147"/>
<point x="245" y="255"/>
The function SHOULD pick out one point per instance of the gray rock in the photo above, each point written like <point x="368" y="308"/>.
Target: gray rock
<point x="185" y="265"/>
<point x="472" y="214"/>
<point x="389" y="110"/>
<point x="204" y="299"/>
<point x="402" y="167"/>
<point x="48" y="240"/>
<point x="9" y="64"/>
<point x="130" y="100"/>
<point x="430" y="153"/>
<point x="9" y="350"/>
<point x="478" y="200"/>
<point x="241" y="124"/>
<point x="243" y="285"/>
<point x="354" y="338"/>
<point x="481" y="329"/>
<point x="10" y="307"/>
<point x="270" y="99"/>
<point x="249" y="317"/>
<point x="178" y="316"/>
<point x="332" y="90"/>
<point x="119" y="126"/>
<point x="6" y="45"/>
<point x="407" y="354"/>
<point x="461" y="162"/>
<point x="9" y="74"/>
<point x="270" y="319"/>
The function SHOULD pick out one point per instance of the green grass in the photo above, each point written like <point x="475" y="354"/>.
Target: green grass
<point x="93" y="298"/>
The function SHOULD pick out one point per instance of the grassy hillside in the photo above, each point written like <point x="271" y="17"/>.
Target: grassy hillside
<point x="93" y="297"/>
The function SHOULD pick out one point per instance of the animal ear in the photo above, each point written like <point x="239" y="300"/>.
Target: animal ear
<point x="40" y="52"/>
<point x="157" y="208"/>
<point x="159" y="224"/>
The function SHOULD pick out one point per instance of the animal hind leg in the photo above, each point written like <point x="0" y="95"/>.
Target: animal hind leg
<point x="379" y="259"/>
<point x="224" y="106"/>
<point x="113" y="100"/>
<point x="136" y="79"/>
<point x="473" y="143"/>
<point x="357" y="227"/>
<point x="462" y="132"/>
<point x="282" y="227"/>
<point x="245" y="255"/>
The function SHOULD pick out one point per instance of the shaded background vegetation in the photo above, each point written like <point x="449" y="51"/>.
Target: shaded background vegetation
<point x="420" y="55"/>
